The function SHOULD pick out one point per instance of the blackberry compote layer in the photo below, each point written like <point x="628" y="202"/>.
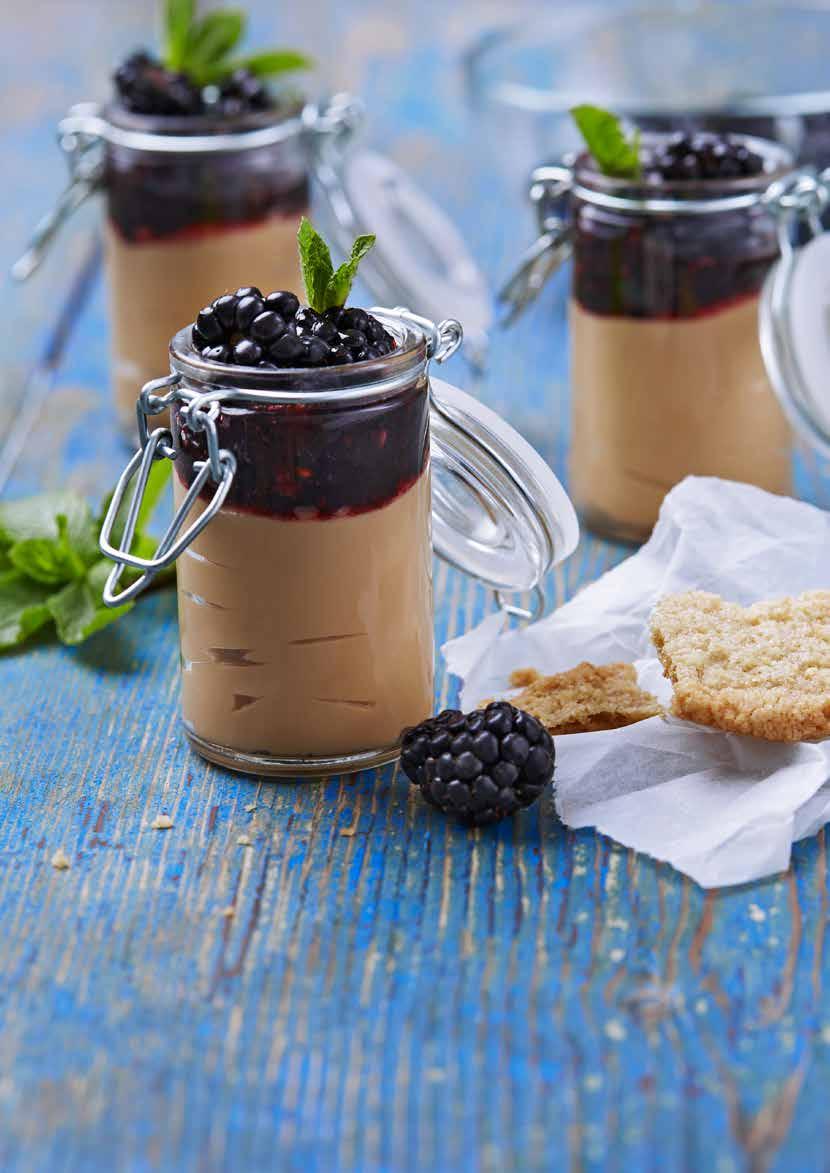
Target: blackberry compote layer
<point x="183" y="224"/>
<point x="306" y="604"/>
<point x="667" y="374"/>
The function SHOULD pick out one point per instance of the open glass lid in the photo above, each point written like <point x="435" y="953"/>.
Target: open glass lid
<point x="420" y="259"/>
<point x="760" y="67"/>
<point x="683" y="58"/>
<point x="795" y="337"/>
<point x="498" y="511"/>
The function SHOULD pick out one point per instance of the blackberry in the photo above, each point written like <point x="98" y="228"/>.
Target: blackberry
<point x="266" y="328"/>
<point x="275" y="331"/>
<point x="247" y="308"/>
<point x="703" y="155"/>
<point x="287" y="351"/>
<point x="283" y="303"/>
<point x="247" y="353"/>
<point x="242" y="93"/>
<point x="145" y="86"/>
<point x="480" y="766"/>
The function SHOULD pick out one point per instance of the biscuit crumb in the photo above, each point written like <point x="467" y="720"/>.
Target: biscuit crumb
<point x="585" y="699"/>
<point x="522" y="677"/>
<point x="244" y="841"/>
<point x="228" y="912"/>
<point x="762" y="670"/>
<point x="60" y="860"/>
<point x="250" y="808"/>
<point x="162" y="823"/>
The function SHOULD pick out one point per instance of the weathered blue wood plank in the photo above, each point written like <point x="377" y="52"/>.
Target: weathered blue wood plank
<point x="392" y="992"/>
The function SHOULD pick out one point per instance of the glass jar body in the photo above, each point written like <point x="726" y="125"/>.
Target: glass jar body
<point x="181" y="228"/>
<point x="306" y="612"/>
<point x="667" y="374"/>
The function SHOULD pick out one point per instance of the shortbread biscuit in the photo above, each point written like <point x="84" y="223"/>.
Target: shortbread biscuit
<point x="586" y="699"/>
<point x="762" y="670"/>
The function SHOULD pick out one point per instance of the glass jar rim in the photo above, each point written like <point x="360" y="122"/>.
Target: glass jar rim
<point x="365" y="381"/>
<point x="689" y="197"/>
<point x="143" y="132"/>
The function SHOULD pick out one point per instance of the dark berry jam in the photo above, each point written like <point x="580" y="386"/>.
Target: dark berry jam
<point x="646" y="264"/>
<point x="155" y="195"/>
<point x="315" y="460"/>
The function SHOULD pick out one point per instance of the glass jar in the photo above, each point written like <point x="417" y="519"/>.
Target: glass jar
<point x="193" y="207"/>
<point x="304" y="574"/>
<point x="667" y="374"/>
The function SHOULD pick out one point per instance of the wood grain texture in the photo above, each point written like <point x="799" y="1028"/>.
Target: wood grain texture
<point x="391" y="992"/>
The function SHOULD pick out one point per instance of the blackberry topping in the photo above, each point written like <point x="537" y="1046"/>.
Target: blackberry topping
<point x="145" y="86"/>
<point x="481" y="766"/>
<point x="248" y="329"/>
<point x="702" y="155"/>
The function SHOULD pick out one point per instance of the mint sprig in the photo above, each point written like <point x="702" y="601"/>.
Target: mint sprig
<point x="326" y="286"/>
<point x="614" y="153"/>
<point x="204" y="47"/>
<point x="51" y="570"/>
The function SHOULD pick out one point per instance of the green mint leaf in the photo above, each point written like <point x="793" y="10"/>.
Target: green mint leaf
<point x="78" y="612"/>
<point x="315" y="262"/>
<point x="210" y="42"/>
<point x="23" y="608"/>
<point x="272" y="62"/>
<point x="51" y="537"/>
<point x="52" y="560"/>
<point x="340" y="283"/>
<point x="37" y="517"/>
<point x="603" y="134"/>
<point x="178" y="19"/>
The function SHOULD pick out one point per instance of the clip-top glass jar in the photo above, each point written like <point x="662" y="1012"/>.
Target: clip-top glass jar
<point x="303" y="533"/>
<point x="194" y="205"/>
<point x="667" y="373"/>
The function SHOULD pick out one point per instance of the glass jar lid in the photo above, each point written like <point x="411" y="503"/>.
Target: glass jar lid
<point x="420" y="258"/>
<point x="794" y="323"/>
<point x="683" y="59"/>
<point x="499" y="513"/>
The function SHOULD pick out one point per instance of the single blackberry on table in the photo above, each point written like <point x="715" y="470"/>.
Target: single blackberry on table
<point x="480" y="766"/>
<point x="145" y="86"/>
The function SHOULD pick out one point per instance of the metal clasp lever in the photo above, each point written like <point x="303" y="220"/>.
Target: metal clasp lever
<point x="220" y="467"/>
<point x="79" y="138"/>
<point x="549" y="193"/>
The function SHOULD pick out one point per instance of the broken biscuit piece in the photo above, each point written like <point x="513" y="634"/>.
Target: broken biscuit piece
<point x="586" y="699"/>
<point x="762" y="670"/>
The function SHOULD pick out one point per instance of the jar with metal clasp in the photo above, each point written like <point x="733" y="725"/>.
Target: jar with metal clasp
<point x="671" y="370"/>
<point x="195" y="206"/>
<point x="308" y="505"/>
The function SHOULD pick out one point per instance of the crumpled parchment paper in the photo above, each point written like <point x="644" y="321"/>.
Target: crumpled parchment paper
<point x="722" y="808"/>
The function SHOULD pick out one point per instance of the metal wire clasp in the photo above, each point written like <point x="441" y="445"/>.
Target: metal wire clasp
<point x="799" y="198"/>
<point x="219" y="468"/>
<point x="81" y="142"/>
<point x="549" y="193"/>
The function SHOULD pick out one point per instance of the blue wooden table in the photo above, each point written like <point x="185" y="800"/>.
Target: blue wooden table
<point x="392" y="992"/>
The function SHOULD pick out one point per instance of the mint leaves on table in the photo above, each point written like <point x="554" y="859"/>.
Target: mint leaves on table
<point x="203" y="47"/>
<point x="326" y="286"/>
<point x="51" y="570"/>
<point x="615" y="154"/>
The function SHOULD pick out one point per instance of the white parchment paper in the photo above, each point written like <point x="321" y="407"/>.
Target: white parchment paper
<point x="722" y="808"/>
